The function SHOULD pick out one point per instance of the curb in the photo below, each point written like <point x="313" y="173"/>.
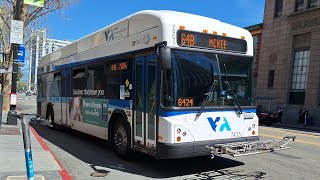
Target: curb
<point x="63" y="173"/>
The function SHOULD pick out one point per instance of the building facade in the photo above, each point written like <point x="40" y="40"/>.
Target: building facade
<point x="40" y="46"/>
<point x="256" y="31"/>
<point x="289" y="63"/>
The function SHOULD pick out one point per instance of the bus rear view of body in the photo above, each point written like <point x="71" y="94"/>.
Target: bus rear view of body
<point x="164" y="83"/>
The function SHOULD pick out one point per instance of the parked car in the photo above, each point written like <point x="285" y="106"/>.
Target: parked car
<point x="28" y="93"/>
<point x="266" y="117"/>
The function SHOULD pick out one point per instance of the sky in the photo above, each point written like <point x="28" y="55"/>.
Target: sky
<point x="88" y="16"/>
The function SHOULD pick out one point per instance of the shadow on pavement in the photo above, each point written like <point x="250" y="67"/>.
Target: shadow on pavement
<point x="97" y="152"/>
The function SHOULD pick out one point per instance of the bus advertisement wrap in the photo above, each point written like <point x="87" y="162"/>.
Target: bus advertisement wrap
<point x="93" y="111"/>
<point x="88" y="110"/>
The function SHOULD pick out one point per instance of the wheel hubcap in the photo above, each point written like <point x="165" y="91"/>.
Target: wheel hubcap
<point x="120" y="139"/>
<point x="50" y="119"/>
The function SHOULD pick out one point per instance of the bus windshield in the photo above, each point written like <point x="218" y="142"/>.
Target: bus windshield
<point x="192" y="74"/>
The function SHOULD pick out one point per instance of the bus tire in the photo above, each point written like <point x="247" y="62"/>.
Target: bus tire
<point x="50" y="118"/>
<point x="121" y="140"/>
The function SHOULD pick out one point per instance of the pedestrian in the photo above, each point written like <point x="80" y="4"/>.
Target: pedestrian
<point x="301" y="116"/>
<point x="279" y="114"/>
<point x="305" y="117"/>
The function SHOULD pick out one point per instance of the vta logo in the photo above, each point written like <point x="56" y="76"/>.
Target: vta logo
<point x="224" y="124"/>
<point x="109" y="35"/>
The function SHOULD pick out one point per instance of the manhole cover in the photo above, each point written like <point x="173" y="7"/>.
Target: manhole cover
<point x="98" y="174"/>
<point x="9" y="131"/>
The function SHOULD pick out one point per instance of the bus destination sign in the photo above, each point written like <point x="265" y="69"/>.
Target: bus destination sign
<point x="119" y="66"/>
<point x="196" y="39"/>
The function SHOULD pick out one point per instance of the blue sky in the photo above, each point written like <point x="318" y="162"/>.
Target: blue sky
<point x="88" y="16"/>
<point x="91" y="15"/>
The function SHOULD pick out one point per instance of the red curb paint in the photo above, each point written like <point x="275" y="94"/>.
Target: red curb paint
<point x="63" y="173"/>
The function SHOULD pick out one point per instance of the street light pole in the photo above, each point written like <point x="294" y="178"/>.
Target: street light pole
<point x="15" y="55"/>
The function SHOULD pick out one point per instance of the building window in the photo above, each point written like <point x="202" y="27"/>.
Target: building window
<point x="271" y="78"/>
<point x="299" y="76"/>
<point x="312" y="3"/>
<point x="278" y="8"/>
<point x="299" y="5"/>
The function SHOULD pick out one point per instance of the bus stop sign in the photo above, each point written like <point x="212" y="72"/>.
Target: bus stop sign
<point x="21" y="53"/>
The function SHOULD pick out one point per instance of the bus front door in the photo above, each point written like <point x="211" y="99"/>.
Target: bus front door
<point x="145" y="101"/>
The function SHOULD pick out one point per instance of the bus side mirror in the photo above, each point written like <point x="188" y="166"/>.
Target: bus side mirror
<point x="165" y="57"/>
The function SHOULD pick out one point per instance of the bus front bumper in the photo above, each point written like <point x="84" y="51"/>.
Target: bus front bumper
<point x="193" y="149"/>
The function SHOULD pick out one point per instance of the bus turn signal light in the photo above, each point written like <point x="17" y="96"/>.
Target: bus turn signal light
<point x="181" y="27"/>
<point x="178" y="138"/>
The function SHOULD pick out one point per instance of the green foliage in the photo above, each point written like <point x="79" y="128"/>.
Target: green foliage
<point x="22" y="86"/>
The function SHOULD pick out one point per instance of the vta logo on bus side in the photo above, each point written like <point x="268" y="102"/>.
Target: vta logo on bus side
<point x="223" y="126"/>
<point x="109" y="35"/>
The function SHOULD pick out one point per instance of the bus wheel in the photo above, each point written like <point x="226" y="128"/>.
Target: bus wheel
<point x="50" y="118"/>
<point x="121" y="140"/>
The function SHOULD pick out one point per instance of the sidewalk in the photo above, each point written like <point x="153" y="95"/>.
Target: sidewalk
<point x="306" y="130"/>
<point x="12" y="160"/>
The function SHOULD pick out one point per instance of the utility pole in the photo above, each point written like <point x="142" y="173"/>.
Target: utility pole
<point x="15" y="55"/>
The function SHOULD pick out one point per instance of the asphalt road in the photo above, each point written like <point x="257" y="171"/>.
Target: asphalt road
<point x="83" y="155"/>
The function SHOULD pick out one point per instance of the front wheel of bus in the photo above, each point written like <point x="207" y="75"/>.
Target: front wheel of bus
<point x="121" y="140"/>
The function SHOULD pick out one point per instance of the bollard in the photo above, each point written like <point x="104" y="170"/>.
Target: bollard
<point x="27" y="146"/>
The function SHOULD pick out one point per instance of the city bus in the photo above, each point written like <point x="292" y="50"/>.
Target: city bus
<point x="164" y="83"/>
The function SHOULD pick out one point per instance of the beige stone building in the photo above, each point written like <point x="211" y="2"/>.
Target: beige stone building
<point x="289" y="62"/>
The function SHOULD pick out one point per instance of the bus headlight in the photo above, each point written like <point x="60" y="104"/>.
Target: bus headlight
<point x="182" y="134"/>
<point x="178" y="130"/>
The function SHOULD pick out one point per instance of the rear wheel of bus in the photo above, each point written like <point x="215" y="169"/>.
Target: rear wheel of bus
<point x="121" y="140"/>
<point x="50" y="118"/>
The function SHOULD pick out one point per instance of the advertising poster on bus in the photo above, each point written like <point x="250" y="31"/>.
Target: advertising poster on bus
<point x="89" y="110"/>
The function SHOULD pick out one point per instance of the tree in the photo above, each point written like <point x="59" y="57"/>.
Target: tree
<point x="19" y="72"/>
<point x="32" y="16"/>
<point x="22" y="86"/>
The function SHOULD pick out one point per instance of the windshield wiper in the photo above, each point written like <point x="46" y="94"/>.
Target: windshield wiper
<point x="207" y="94"/>
<point x="230" y="89"/>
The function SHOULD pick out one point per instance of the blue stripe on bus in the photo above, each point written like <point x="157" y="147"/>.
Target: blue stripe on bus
<point x="53" y="99"/>
<point x="119" y="103"/>
<point x="112" y="102"/>
<point x="176" y="113"/>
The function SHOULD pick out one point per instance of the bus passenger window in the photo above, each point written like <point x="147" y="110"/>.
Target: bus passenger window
<point x="79" y="79"/>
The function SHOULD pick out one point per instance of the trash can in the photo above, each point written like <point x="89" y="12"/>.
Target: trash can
<point x="12" y="118"/>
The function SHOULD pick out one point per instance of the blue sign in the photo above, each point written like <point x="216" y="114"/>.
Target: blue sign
<point x="21" y="53"/>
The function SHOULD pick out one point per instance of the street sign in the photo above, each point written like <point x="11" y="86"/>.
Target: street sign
<point x="38" y="3"/>
<point x="16" y="32"/>
<point x="21" y="53"/>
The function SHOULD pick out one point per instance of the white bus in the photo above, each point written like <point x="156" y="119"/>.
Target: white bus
<point x="163" y="83"/>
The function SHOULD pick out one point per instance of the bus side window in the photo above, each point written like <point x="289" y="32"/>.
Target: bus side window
<point x="117" y="76"/>
<point x="79" y="79"/>
<point x="96" y="80"/>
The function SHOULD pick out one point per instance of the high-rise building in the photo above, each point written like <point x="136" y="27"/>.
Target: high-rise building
<point x="289" y="66"/>
<point x="40" y="46"/>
